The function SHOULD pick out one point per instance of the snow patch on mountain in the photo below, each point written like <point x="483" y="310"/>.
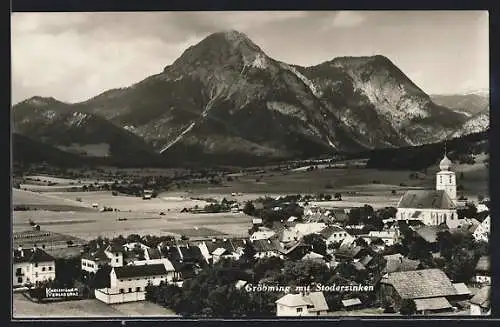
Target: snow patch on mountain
<point x="178" y="138"/>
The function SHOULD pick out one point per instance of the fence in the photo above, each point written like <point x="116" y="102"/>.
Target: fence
<point x="112" y="296"/>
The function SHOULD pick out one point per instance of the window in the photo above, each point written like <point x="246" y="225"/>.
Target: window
<point x="299" y="309"/>
<point x="117" y="260"/>
<point x="450" y="180"/>
<point x="122" y="290"/>
<point x="137" y="289"/>
<point x="317" y="313"/>
<point x="19" y="279"/>
<point x="130" y="289"/>
<point x="36" y="274"/>
<point x="43" y="268"/>
<point x="121" y="280"/>
<point x="129" y="279"/>
<point x="50" y="268"/>
<point x="18" y="271"/>
<point x="36" y="264"/>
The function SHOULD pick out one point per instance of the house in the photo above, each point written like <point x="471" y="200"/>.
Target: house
<point x="288" y="236"/>
<point x="352" y="304"/>
<point x="388" y="237"/>
<point x="31" y="266"/>
<point x="267" y="248"/>
<point x="481" y="207"/>
<point x="429" y="235"/>
<point x="111" y="255"/>
<point x="333" y="234"/>
<point x="152" y="254"/>
<point x="350" y="253"/>
<point x="309" y="228"/>
<point x="480" y="303"/>
<point x="398" y="262"/>
<point x="262" y="234"/>
<point x="430" y="289"/>
<point x="147" y="194"/>
<point x="257" y="221"/>
<point x="483" y="271"/>
<point x="313" y="256"/>
<point x="432" y="207"/>
<point x="128" y="283"/>
<point x="208" y="249"/>
<point x="483" y="230"/>
<point x="172" y="273"/>
<point x="134" y="245"/>
<point x="302" y="304"/>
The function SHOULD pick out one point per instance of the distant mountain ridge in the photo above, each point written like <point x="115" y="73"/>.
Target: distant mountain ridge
<point x="224" y="101"/>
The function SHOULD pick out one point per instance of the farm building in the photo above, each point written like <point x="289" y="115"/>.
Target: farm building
<point x="110" y="255"/>
<point x="32" y="265"/>
<point x="128" y="283"/>
<point x="297" y="305"/>
<point x="333" y="234"/>
<point x="430" y="289"/>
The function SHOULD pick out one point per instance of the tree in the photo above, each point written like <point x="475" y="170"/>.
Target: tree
<point x="249" y="208"/>
<point x="408" y="307"/>
<point x="316" y="242"/>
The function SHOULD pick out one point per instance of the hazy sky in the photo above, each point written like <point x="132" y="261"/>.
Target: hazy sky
<point x="74" y="56"/>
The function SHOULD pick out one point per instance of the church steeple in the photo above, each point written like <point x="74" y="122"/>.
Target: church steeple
<point x="445" y="178"/>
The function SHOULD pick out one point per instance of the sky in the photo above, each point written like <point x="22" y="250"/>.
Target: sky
<point x="75" y="56"/>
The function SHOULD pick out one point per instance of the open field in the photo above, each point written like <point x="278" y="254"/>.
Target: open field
<point x="24" y="308"/>
<point x="90" y="225"/>
<point x="133" y="203"/>
<point x="47" y="202"/>
<point x="475" y="181"/>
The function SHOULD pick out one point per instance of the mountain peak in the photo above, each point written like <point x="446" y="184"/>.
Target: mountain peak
<point x="220" y="48"/>
<point x="41" y="101"/>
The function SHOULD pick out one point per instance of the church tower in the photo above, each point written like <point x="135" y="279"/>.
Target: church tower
<point x="446" y="179"/>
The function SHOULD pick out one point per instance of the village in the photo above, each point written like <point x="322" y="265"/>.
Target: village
<point x="429" y="255"/>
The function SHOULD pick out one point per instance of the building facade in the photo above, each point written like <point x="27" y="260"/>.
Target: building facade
<point x="32" y="266"/>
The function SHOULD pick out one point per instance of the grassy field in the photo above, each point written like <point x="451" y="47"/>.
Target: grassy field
<point x="163" y="203"/>
<point x="87" y="225"/>
<point x="24" y="308"/>
<point x="342" y="180"/>
<point x="44" y="201"/>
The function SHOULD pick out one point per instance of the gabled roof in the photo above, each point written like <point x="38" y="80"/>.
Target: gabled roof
<point x="32" y="255"/>
<point x="483" y="264"/>
<point x="428" y="233"/>
<point x="114" y="248"/>
<point x="312" y="256"/>
<point x="214" y="245"/>
<point x="153" y="253"/>
<point x="219" y="251"/>
<point x="482" y="297"/>
<point x="348" y="251"/>
<point x="437" y="303"/>
<point x="265" y="245"/>
<point x="315" y="301"/>
<point x="397" y="262"/>
<point x="98" y="255"/>
<point x="330" y="230"/>
<point x="140" y="271"/>
<point x="426" y="199"/>
<point x="420" y="284"/>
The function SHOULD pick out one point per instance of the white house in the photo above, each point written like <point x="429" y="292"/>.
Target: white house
<point x="309" y="228"/>
<point x="31" y="266"/>
<point x="432" y="207"/>
<point x="128" y="283"/>
<point x="262" y="234"/>
<point x="111" y="255"/>
<point x="481" y="207"/>
<point x="389" y="237"/>
<point x="480" y="303"/>
<point x="297" y="305"/>
<point x="483" y="230"/>
<point x="333" y="234"/>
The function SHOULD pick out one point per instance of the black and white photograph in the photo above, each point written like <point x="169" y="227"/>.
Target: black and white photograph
<point x="250" y="164"/>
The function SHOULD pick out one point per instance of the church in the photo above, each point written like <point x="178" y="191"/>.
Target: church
<point x="432" y="207"/>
